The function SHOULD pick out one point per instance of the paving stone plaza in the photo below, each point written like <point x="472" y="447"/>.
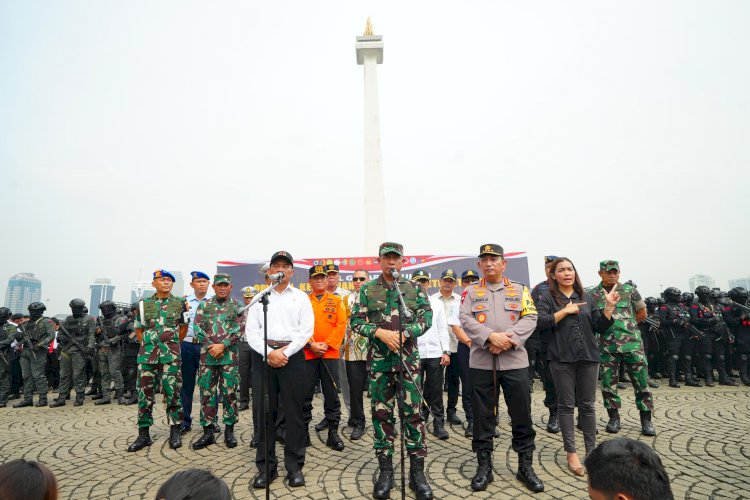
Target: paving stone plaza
<point x="702" y="439"/>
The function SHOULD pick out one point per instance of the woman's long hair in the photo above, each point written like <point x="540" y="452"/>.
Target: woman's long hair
<point x="554" y="289"/>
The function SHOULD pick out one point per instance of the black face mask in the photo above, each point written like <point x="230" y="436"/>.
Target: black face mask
<point x="77" y="312"/>
<point x="36" y="314"/>
<point x="108" y="313"/>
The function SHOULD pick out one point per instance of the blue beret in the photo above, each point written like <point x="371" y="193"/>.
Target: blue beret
<point x="199" y="275"/>
<point x="161" y="273"/>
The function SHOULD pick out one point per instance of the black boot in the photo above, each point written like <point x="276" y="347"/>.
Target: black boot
<point x="322" y="425"/>
<point x="724" y="378"/>
<point x="175" y="441"/>
<point x="99" y="395"/>
<point x="438" y="429"/>
<point x="469" y="432"/>
<point x="105" y="399"/>
<point x="24" y="402"/>
<point x="229" y="438"/>
<point x="483" y="476"/>
<point x="453" y="418"/>
<point x="208" y="438"/>
<point x="708" y="378"/>
<point x="60" y="401"/>
<point x="553" y="424"/>
<point x="417" y="479"/>
<point x="334" y="441"/>
<point x="647" y="428"/>
<point x="143" y="440"/>
<point x="120" y="395"/>
<point x="385" y="479"/>
<point x="526" y="472"/>
<point x="744" y="370"/>
<point x="42" y="401"/>
<point x="132" y="399"/>
<point x="93" y="390"/>
<point x="613" y="426"/>
<point x="672" y="370"/>
<point x="79" y="399"/>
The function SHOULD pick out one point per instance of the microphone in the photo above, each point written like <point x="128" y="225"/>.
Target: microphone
<point x="276" y="277"/>
<point x="394" y="274"/>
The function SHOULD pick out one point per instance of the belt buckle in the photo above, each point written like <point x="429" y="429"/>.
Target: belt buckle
<point x="194" y="340"/>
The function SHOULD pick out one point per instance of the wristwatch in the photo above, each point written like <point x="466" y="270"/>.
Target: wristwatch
<point x="447" y="352"/>
<point x="308" y="345"/>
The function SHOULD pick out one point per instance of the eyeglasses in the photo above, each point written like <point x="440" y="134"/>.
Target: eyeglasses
<point x="361" y="278"/>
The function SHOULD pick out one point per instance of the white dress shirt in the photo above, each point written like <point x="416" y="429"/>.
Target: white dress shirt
<point x="290" y="319"/>
<point x="450" y="306"/>
<point x="434" y="341"/>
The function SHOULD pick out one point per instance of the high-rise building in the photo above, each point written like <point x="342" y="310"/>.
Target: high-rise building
<point x="101" y="289"/>
<point x="743" y="282"/>
<point x="700" y="280"/>
<point x="140" y="290"/>
<point x="179" y="284"/>
<point x="23" y="289"/>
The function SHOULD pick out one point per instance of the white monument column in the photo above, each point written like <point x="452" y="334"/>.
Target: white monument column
<point x="370" y="54"/>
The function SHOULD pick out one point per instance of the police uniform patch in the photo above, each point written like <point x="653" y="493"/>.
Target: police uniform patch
<point x="512" y="317"/>
<point x="481" y="317"/>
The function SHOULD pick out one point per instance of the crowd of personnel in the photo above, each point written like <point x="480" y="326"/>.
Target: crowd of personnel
<point x="388" y="339"/>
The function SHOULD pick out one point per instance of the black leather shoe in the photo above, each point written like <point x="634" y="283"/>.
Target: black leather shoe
<point x="243" y="406"/>
<point x="208" y="438"/>
<point x="322" y="425"/>
<point x="41" y="402"/>
<point x="175" y="441"/>
<point x="104" y="401"/>
<point x="296" y="479"/>
<point x="260" y="480"/>
<point x="438" y="430"/>
<point x="334" y="441"/>
<point x="453" y="418"/>
<point x="79" y="400"/>
<point x="553" y="424"/>
<point x="526" y="473"/>
<point x="229" y="438"/>
<point x="143" y="440"/>
<point x="57" y="402"/>
<point x="357" y="433"/>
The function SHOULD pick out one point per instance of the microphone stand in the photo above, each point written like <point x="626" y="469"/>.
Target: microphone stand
<point x="404" y="313"/>
<point x="262" y="297"/>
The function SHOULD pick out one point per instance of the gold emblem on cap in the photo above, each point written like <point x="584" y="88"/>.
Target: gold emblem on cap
<point x="487" y="248"/>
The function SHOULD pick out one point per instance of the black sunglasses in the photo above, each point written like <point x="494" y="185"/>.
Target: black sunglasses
<point x="362" y="278"/>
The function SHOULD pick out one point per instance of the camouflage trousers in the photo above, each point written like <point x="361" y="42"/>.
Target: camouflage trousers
<point x="218" y="382"/>
<point x="637" y="367"/>
<point x="4" y="375"/>
<point x="110" y="366"/>
<point x="34" y="373"/>
<point x="171" y="381"/>
<point x="72" y="371"/>
<point x="383" y="387"/>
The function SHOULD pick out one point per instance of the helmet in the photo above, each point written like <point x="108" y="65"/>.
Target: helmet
<point x="107" y="304"/>
<point x="715" y="293"/>
<point x="703" y="291"/>
<point x="687" y="297"/>
<point x="661" y="301"/>
<point x="37" y="306"/>
<point x="5" y="313"/>
<point x="651" y="301"/>
<point x="738" y="294"/>
<point x="672" y="294"/>
<point x="77" y="303"/>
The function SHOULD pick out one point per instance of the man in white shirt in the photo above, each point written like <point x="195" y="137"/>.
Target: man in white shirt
<point x="449" y="301"/>
<point x="290" y="325"/>
<point x="434" y="352"/>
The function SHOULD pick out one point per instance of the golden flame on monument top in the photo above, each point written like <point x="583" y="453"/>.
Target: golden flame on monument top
<point x="368" y="27"/>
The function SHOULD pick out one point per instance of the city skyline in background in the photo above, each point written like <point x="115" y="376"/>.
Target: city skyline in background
<point x="24" y="288"/>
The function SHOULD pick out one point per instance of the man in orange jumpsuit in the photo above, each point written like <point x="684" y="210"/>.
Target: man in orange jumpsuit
<point x="322" y="354"/>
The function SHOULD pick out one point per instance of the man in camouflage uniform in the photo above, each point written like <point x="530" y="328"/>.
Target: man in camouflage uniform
<point x="6" y="339"/>
<point x="377" y="317"/>
<point x="160" y="325"/>
<point x="215" y="326"/>
<point x="110" y="352"/>
<point x="76" y="338"/>
<point x="622" y="344"/>
<point x="35" y="336"/>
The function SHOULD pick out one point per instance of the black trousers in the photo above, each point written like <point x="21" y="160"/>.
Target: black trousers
<point x="453" y="378"/>
<point x="533" y="352"/>
<point x="515" y="388"/>
<point x="130" y="366"/>
<point x="329" y="380"/>
<point x="465" y="373"/>
<point x="245" y="367"/>
<point x="432" y="378"/>
<point x="283" y="384"/>
<point x="356" y="373"/>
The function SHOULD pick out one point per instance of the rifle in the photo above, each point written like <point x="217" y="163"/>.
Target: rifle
<point x="653" y="323"/>
<point x="76" y="343"/>
<point x="740" y="306"/>
<point x="27" y="339"/>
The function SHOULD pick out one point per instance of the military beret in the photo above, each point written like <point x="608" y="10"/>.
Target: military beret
<point x="469" y="273"/>
<point x="420" y="275"/>
<point x="222" y="278"/>
<point x="332" y="268"/>
<point x="607" y="265"/>
<point x="317" y="271"/>
<point x="161" y="273"/>
<point x="249" y="291"/>
<point x="391" y="247"/>
<point x="491" y="249"/>
<point x="198" y="275"/>
<point x="448" y="274"/>
<point x="281" y="254"/>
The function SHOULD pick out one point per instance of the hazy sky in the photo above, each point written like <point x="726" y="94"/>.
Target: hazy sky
<point x="137" y="135"/>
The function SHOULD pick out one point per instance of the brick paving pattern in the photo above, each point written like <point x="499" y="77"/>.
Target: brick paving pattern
<point x="702" y="437"/>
